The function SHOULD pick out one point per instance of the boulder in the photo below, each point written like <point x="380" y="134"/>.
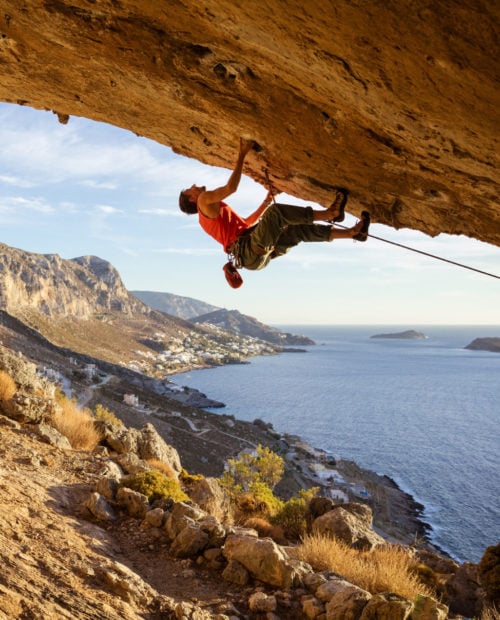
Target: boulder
<point x="235" y="572"/>
<point x="190" y="541"/>
<point x="128" y="585"/>
<point x="150" y="445"/>
<point x="146" y="443"/>
<point x="387" y="606"/>
<point x="155" y="517"/>
<point x="182" y="515"/>
<point x="348" y="602"/>
<point x="112" y="470"/>
<point x="50" y="435"/>
<point x="135" y="503"/>
<point x="264" y="560"/>
<point x="350" y="523"/>
<point x="215" y="531"/>
<point x="260" y="602"/>
<point x="465" y="594"/>
<point x="107" y="487"/>
<point x="99" y="508"/>
<point x="121" y="439"/>
<point x="210" y="496"/>
<point x="427" y="608"/>
<point x="28" y="408"/>
<point x="131" y="463"/>
<point x="343" y="599"/>
<point x="312" y="607"/>
<point x="23" y="372"/>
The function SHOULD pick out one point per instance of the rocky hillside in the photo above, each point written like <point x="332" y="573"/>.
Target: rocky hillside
<point x="176" y="305"/>
<point x="234" y="321"/>
<point x="82" y="287"/>
<point x="82" y="304"/>
<point x="77" y="541"/>
<point x="397" y="101"/>
<point x="199" y="312"/>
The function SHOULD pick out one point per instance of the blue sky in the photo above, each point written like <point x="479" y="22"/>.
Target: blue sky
<point x="89" y="188"/>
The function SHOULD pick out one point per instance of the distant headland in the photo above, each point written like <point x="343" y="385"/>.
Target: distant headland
<point x="409" y="334"/>
<point x="485" y="344"/>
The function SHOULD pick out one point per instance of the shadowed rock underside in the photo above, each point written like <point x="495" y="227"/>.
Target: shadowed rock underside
<point x="396" y="101"/>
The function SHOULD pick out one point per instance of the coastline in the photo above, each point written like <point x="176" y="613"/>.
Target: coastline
<point x="397" y="515"/>
<point x="274" y="391"/>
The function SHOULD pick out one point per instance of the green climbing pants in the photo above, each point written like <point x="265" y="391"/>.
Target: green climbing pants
<point x="281" y="227"/>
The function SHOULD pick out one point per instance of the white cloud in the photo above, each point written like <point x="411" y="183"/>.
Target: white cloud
<point x="99" y="185"/>
<point x="188" y="251"/>
<point x="161" y="212"/>
<point x="107" y="209"/>
<point x="18" y="204"/>
<point x="9" y="179"/>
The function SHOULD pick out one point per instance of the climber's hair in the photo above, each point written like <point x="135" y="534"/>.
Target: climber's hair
<point x="186" y="205"/>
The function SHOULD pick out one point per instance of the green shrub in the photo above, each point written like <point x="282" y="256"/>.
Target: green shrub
<point x="155" y="485"/>
<point x="265" y="499"/>
<point x="292" y="515"/>
<point x="188" y="478"/>
<point x="105" y="415"/>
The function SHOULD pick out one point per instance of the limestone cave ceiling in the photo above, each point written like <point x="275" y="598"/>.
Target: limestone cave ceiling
<point x="396" y="100"/>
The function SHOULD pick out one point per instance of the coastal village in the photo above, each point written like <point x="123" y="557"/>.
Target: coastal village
<point x="212" y="347"/>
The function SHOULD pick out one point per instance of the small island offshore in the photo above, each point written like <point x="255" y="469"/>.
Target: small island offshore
<point x="485" y="344"/>
<point x="409" y="334"/>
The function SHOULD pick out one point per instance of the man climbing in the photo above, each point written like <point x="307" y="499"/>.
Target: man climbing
<point x="271" y="230"/>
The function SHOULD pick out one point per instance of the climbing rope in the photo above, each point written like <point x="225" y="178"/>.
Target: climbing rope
<point x="400" y="245"/>
<point x="445" y="260"/>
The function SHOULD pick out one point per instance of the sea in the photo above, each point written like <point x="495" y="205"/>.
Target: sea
<point x="424" y="412"/>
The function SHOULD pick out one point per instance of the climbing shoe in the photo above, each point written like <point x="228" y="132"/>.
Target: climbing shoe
<point x="363" y="233"/>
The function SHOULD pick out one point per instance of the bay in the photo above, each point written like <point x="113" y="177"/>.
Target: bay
<point x="424" y="412"/>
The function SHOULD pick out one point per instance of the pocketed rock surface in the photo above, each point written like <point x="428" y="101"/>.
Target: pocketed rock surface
<point x="396" y="101"/>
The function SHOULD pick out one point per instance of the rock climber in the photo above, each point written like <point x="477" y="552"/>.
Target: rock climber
<point x="271" y="230"/>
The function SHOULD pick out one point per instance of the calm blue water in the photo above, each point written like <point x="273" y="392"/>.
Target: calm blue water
<point x="424" y="412"/>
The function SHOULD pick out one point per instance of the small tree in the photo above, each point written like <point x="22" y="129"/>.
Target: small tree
<point x="264" y="466"/>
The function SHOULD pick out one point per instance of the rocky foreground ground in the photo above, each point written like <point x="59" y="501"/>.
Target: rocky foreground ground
<point x="76" y="542"/>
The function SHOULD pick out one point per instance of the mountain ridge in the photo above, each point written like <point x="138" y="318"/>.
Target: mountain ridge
<point x="176" y="305"/>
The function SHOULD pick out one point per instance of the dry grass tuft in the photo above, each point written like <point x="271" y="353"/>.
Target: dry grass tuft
<point x="165" y="468"/>
<point x="490" y="613"/>
<point x="265" y="529"/>
<point x="385" y="569"/>
<point x="76" y="424"/>
<point x="8" y="386"/>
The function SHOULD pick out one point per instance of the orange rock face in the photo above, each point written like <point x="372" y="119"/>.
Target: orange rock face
<point x="397" y="101"/>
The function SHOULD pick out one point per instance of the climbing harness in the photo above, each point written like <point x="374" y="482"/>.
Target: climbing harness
<point x="230" y="269"/>
<point x="445" y="260"/>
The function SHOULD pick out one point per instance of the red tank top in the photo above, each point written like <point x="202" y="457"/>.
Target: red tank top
<point x="225" y="227"/>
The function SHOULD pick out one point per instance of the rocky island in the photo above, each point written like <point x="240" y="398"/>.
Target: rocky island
<point x="485" y="344"/>
<point x="409" y="334"/>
